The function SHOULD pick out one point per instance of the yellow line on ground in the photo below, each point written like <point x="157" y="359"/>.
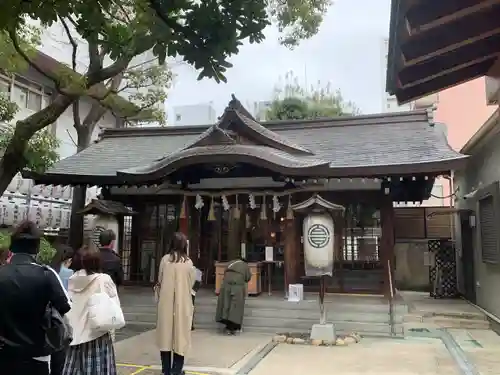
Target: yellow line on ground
<point x="131" y="365"/>
<point x="140" y="370"/>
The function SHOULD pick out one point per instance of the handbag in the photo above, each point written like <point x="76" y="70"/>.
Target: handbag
<point x="104" y="313"/>
<point x="58" y="331"/>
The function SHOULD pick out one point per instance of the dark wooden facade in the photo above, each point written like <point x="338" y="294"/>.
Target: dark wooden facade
<point x="434" y="45"/>
<point x="362" y="163"/>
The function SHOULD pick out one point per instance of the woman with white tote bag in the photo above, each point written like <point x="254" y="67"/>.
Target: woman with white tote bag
<point x="94" y="313"/>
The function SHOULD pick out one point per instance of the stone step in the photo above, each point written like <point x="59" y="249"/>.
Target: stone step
<point x="312" y="305"/>
<point x="367" y="329"/>
<point x="446" y="322"/>
<point x="277" y="320"/>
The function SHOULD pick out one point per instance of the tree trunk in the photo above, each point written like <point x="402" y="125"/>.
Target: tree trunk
<point x="76" y="228"/>
<point x="13" y="160"/>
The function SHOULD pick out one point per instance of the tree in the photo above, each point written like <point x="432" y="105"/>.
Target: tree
<point x="41" y="152"/>
<point x="146" y="85"/>
<point x="204" y="33"/>
<point x="294" y="102"/>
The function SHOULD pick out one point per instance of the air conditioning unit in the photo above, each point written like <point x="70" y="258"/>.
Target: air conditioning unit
<point x="492" y="86"/>
<point x="426" y="102"/>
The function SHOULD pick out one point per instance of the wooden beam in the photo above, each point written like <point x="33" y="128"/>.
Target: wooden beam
<point x="464" y="31"/>
<point x="451" y="48"/>
<point x="484" y="5"/>
<point x="441" y="83"/>
<point x="447" y="72"/>
<point x="445" y="63"/>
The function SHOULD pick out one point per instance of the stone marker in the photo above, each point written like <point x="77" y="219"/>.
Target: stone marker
<point x="323" y="332"/>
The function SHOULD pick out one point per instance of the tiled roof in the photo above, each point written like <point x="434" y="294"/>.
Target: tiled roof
<point x="361" y="145"/>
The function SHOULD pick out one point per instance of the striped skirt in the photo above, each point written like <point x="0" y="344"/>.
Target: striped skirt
<point x="96" y="357"/>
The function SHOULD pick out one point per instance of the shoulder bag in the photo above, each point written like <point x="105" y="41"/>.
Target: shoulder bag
<point x="104" y="313"/>
<point x="58" y="331"/>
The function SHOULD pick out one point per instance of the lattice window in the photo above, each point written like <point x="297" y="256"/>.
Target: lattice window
<point x="489" y="238"/>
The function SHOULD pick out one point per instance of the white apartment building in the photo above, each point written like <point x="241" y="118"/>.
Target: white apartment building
<point x="193" y="114"/>
<point x="389" y="102"/>
<point x="49" y="206"/>
<point x="55" y="43"/>
<point x="259" y="109"/>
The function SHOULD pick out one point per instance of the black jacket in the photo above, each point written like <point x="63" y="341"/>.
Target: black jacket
<point x="112" y="265"/>
<point x="25" y="291"/>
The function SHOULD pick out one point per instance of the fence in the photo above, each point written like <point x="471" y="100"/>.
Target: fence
<point x="423" y="222"/>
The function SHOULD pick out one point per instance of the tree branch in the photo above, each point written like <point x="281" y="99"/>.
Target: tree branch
<point x="37" y="121"/>
<point x="121" y="63"/>
<point x="76" y="114"/>
<point x="30" y="62"/>
<point x="95" y="57"/>
<point x="72" y="41"/>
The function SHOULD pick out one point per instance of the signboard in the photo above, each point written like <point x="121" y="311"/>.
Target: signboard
<point x="269" y="254"/>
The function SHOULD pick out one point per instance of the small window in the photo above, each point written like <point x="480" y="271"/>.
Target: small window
<point x="488" y="231"/>
<point x="34" y="101"/>
<point x="4" y="86"/>
<point x="20" y="96"/>
<point x="177" y="117"/>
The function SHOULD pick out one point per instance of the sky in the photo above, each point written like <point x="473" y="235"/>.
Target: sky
<point x="347" y="53"/>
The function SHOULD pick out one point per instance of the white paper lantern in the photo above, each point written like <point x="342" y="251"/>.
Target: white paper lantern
<point x="66" y="218"/>
<point x="57" y="192"/>
<point x="25" y="186"/>
<point x="14" y="184"/>
<point x="19" y="213"/>
<point x="67" y="193"/>
<point x="318" y="235"/>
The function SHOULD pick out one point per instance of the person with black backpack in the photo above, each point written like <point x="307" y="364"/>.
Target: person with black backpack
<point x="33" y="304"/>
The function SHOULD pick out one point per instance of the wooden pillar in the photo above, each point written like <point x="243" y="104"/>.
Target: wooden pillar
<point x="291" y="253"/>
<point x="386" y="253"/>
<point x="184" y="221"/>
<point x="194" y="235"/>
<point x="135" y="242"/>
<point x="243" y="227"/>
<point x="233" y="236"/>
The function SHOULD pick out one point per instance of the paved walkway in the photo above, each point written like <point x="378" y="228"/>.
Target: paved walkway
<point x="210" y="352"/>
<point x="213" y="353"/>
<point x="369" y="357"/>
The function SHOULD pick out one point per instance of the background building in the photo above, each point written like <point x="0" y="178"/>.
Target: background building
<point x="194" y="114"/>
<point x="389" y="102"/>
<point x="49" y="206"/>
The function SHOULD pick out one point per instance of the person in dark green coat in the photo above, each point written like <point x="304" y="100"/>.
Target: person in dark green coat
<point x="233" y="291"/>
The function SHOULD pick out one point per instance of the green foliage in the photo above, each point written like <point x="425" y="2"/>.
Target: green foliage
<point x="45" y="254"/>
<point x="298" y="19"/>
<point x="41" y="152"/>
<point x="294" y="102"/>
<point x="7" y="109"/>
<point x="204" y="33"/>
<point x="146" y="86"/>
<point x="28" y="38"/>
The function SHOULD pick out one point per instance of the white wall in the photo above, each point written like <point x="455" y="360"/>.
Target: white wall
<point x="46" y="205"/>
<point x="195" y="114"/>
<point x="389" y="102"/>
<point x="66" y="133"/>
<point x="55" y="43"/>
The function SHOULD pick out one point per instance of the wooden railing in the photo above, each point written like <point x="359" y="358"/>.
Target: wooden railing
<point x="392" y="322"/>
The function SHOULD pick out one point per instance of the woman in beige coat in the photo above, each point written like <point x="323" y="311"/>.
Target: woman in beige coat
<point x="175" y="306"/>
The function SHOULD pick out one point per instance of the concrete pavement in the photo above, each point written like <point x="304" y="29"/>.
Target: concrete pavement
<point x="369" y="357"/>
<point x="211" y="352"/>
